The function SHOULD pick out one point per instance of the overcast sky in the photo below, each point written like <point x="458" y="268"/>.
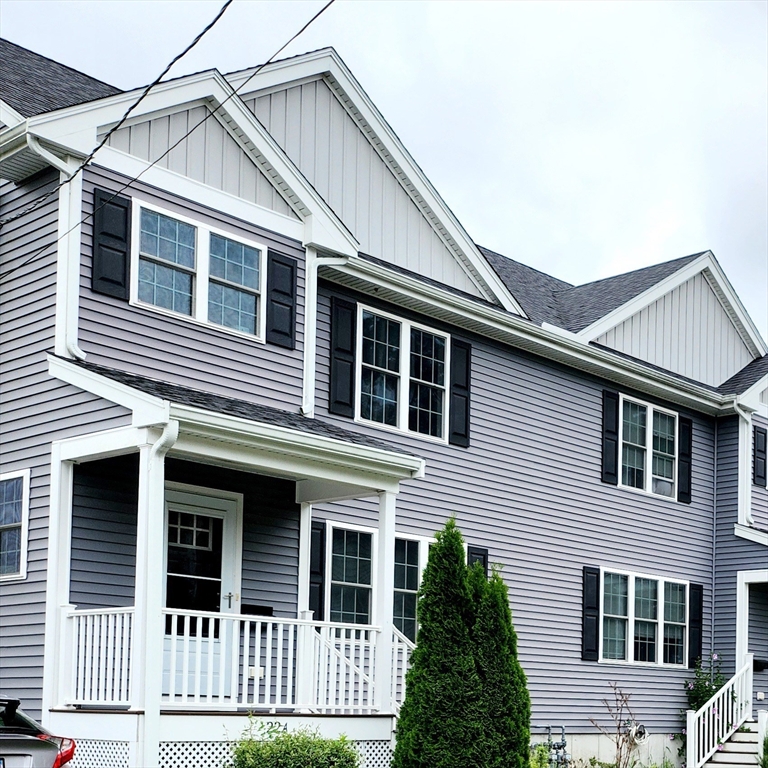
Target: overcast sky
<point x="582" y="138"/>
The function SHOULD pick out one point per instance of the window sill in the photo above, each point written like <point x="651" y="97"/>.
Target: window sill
<point x="648" y="494"/>
<point x="399" y="431"/>
<point x="642" y="664"/>
<point x="199" y="323"/>
<point x="10" y="577"/>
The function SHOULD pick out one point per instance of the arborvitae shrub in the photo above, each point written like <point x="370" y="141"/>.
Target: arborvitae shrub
<point x="439" y="726"/>
<point x="505" y="703"/>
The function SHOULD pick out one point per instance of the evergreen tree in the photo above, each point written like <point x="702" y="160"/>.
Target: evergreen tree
<point x="505" y="704"/>
<point x="439" y="725"/>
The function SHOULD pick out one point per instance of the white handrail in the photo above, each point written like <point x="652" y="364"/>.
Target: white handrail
<point x="718" y="719"/>
<point x="402" y="648"/>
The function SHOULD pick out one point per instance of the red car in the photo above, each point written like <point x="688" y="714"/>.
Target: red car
<point x="26" y="744"/>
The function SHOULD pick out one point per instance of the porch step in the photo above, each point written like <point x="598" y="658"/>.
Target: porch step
<point x="740" y="751"/>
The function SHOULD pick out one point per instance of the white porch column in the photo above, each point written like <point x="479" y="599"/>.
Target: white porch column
<point x="148" y="630"/>
<point x="385" y="585"/>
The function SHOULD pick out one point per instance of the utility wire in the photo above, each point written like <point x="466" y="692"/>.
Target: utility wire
<point x="120" y="122"/>
<point x="88" y="216"/>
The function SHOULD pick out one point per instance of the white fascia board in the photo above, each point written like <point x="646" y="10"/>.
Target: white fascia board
<point x="294" y="445"/>
<point x="76" y="128"/>
<point x="196" y="191"/>
<point x="9" y="116"/>
<point x="326" y="62"/>
<point x="493" y="322"/>
<point x="147" y="409"/>
<point x="705" y="263"/>
<point x="751" y="534"/>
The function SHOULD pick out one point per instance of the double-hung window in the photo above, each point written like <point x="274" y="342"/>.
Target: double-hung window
<point x="644" y="619"/>
<point x="402" y="372"/>
<point x="14" y="516"/>
<point x="648" y="449"/>
<point x="190" y="269"/>
<point x="407" y="578"/>
<point x="351" y="576"/>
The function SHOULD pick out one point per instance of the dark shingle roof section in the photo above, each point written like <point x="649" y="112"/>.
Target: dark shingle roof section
<point x="233" y="407"/>
<point x="535" y="291"/>
<point x="33" y="84"/>
<point x="583" y="305"/>
<point x="746" y="377"/>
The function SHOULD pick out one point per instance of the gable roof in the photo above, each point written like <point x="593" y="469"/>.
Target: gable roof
<point x="582" y="305"/>
<point x="746" y="377"/>
<point x="32" y="84"/>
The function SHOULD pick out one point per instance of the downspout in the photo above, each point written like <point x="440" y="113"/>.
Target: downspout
<point x="714" y="542"/>
<point x="313" y="264"/>
<point x="68" y="267"/>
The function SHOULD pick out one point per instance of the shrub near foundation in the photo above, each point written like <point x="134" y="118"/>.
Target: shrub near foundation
<point x="303" y="748"/>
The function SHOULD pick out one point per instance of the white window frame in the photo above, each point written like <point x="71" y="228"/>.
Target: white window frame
<point x="630" y="637"/>
<point x="25" y="475"/>
<point x="201" y="273"/>
<point x="423" y="542"/>
<point x="650" y="408"/>
<point x="404" y="377"/>
<point x="330" y="527"/>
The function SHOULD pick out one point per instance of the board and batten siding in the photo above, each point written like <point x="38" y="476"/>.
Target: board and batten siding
<point x="209" y="155"/>
<point x="686" y="331"/>
<point x="759" y="493"/>
<point x="34" y="410"/>
<point x="178" y="350"/>
<point x="103" y="564"/>
<point x="317" y="132"/>
<point x="528" y="488"/>
<point x="733" y="553"/>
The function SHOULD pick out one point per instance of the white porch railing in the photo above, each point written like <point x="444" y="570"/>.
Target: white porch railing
<point x="720" y="717"/>
<point x="401" y="658"/>
<point x="101" y="656"/>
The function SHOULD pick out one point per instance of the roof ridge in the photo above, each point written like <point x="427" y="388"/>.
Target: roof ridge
<point x="60" y="64"/>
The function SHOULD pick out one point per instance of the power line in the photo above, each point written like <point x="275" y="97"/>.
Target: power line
<point x="210" y="114"/>
<point x="120" y="122"/>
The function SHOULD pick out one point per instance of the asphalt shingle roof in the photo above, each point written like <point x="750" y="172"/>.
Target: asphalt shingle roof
<point x="746" y="377"/>
<point x="33" y="84"/>
<point x="234" y="407"/>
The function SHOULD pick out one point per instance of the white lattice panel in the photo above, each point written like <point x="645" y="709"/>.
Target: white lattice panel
<point x="200" y="754"/>
<point x="94" y="753"/>
<point x="375" y="754"/>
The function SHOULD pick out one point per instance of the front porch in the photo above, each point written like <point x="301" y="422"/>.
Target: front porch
<point x="180" y="583"/>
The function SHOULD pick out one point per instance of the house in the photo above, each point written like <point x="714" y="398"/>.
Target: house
<point x="251" y="362"/>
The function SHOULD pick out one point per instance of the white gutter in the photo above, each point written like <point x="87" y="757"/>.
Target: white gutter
<point x="313" y="263"/>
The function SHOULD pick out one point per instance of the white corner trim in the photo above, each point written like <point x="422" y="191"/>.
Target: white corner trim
<point x="743" y="580"/>
<point x="327" y="63"/>
<point x="751" y="534"/>
<point x="722" y="288"/>
<point x="147" y="410"/>
<point x="9" y="115"/>
<point x="744" y="466"/>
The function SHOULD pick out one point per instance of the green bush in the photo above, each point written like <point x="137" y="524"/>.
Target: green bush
<point x="303" y="748"/>
<point x="439" y="725"/>
<point x="763" y="761"/>
<point x="706" y="682"/>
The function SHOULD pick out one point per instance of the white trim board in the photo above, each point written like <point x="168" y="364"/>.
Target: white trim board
<point x="743" y="580"/>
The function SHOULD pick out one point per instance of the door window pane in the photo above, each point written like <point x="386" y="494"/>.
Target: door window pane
<point x="406" y="586"/>
<point x="351" y="576"/>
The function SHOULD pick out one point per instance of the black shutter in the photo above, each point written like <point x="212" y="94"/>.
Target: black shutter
<point x="610" y="437"/>
<point x="478" y="555"/>
<point x="111" y="244"/>
<point x="759" y="440"/>
<point x="684" y="458"/>
<point x="590" y="626"/>
<point x="695" y="623"/>
<point x="461" y="378"/>
<point x="341" y="395"/>
<point x="281" y="300"/>
<point x="317" y="570"/>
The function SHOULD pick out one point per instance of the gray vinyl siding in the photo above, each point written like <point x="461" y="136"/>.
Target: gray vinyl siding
<point x="687" y="331"/>
<point x="758" y="635"/>
<point x="178" y="350"/>
<point x="529" y="489"/>
<point x="104" y="515"/>
<point x="734" y="553"/>
<point x="345" y="166"/>
<point x="34" y="410"/>
<point x="209" y="155"/>
<point x="759" y="493"/>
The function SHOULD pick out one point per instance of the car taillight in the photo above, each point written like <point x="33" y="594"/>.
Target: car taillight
<point x="66" y="749"/>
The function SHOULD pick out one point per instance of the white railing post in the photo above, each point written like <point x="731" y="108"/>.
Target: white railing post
<point x="305" y="649"/>
<point x="385" y="585"/>
<point x="691" y="738"/>
<point x="67" y="665"/>
<point x="749" y="661"/>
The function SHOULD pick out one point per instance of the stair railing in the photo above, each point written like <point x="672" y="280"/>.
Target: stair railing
<point x="720" y="717"/>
